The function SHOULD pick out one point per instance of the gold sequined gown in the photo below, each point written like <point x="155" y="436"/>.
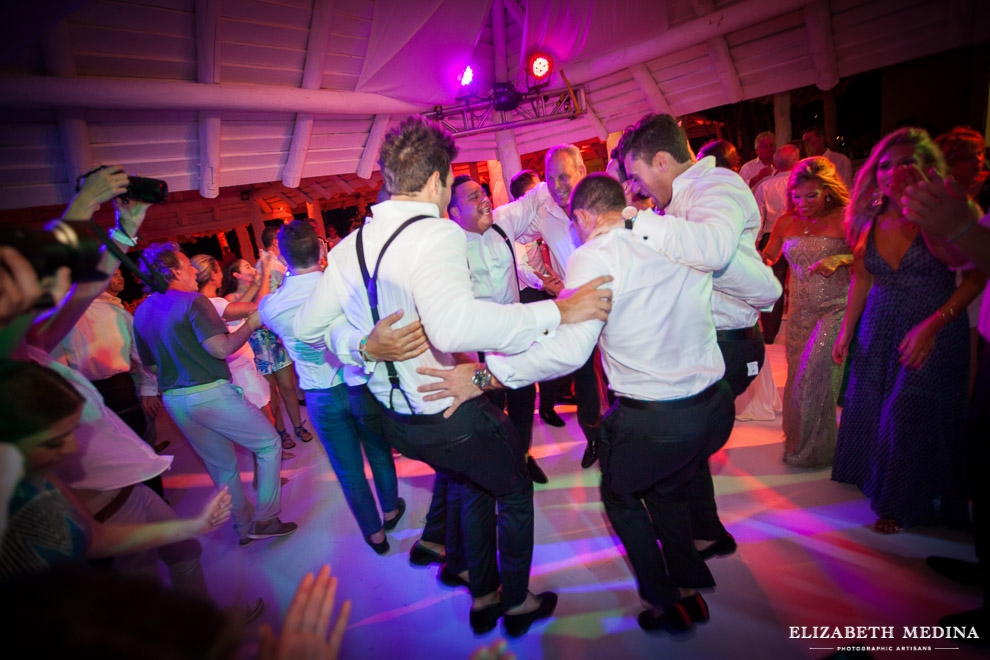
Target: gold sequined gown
<point x="817" y="304"/>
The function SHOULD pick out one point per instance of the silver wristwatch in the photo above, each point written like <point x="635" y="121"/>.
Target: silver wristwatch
<point x="482" y="379"/>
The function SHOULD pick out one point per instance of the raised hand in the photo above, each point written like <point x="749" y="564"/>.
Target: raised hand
<point x="304" y="631"/>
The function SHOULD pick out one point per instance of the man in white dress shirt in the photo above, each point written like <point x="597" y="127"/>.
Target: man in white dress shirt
<point x="710" y="223"/>
<point x="417" y="262"/>
<point x="344" y="414"/>
<point x="816" y="144"/>
<point x="758" y="169"/>
<point x="542" y="213"/>
<point x="771" y="198"/>
<point x="101" y="347"/>
<point x="660" y="352"/>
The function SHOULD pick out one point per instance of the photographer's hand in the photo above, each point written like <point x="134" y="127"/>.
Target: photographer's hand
<point x="130" y="215"/>
<point x="99" y="187"/>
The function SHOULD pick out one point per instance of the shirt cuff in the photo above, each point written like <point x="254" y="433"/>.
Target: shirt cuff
<point x="547" y="317"/>
<point x="500" y="368"/>
<point x="651" y="229"/>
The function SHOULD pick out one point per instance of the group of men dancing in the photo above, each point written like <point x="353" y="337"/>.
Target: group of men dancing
<point x="420" y="315"/>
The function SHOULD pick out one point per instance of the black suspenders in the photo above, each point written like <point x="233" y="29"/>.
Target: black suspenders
<point x="512" y="251"/>
<point x="371" y="287"/>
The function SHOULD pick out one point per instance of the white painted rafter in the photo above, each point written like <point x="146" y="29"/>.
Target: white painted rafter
<point x="316" y="58"/>
<point x="818" y="22"/>
<point x="718" y="49"/>
<point x="658" y="103"/>
<point x="371" y="147"/>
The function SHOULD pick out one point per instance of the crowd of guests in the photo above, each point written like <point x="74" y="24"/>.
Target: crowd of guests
<point x="652" y="288"/>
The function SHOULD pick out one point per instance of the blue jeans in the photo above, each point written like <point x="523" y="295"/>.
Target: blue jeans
<point x="347" y="419"/>
<point x="212" y="420"/>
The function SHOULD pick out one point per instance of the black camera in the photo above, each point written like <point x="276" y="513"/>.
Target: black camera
<point x="71" y="243"/>
<point x="139" y="188"/>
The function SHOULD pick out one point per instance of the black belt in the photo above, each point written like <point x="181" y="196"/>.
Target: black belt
<point x="675" y="404"/>
<point x="740" y="333"/>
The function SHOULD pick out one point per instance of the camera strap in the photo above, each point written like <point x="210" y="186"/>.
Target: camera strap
<point x="156" y="282"/>
<point x="371" y="287"/>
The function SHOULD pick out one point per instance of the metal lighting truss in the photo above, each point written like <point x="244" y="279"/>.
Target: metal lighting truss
<point x="536" y="107"/>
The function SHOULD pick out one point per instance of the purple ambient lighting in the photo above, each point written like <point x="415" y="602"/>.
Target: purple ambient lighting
<point x="467" y="76"/>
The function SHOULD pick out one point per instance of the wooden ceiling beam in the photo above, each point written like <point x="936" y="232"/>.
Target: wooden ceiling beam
<point x="818" y="22"/>
<point x="691" y="33"/>
<point x="146" y="94"/>
<point x="316" y="57"/>
<point x="658" y="102"/>
<point x="718" y="50"/>
<point x="373" y="145"/>
<point x="517" y="13"/>
<point x="208" y="73"/>
<point x="73" y="131"/>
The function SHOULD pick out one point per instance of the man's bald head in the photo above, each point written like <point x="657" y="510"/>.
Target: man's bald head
<point x="786" y="157"/>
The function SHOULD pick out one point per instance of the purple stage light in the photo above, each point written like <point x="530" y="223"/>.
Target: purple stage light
<point x="468" y="76"/>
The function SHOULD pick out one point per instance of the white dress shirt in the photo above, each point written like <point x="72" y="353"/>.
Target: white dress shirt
<point x="751" y="169"/>
<point x="425" y="273"/>
<point x="771" y="199"/>
<point x="842" y="165"/>
<point x="659" y="343"/>
<point x="101" y="345"/>
<point x="536" y="215"/>
<point x="491" y="265"/>
<point x="711" y="224"/>
<point x="318" y="369"/>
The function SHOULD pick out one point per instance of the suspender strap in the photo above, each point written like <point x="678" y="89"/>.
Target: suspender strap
<point x="371" y="287"/>
<point x="512" y="251"/>
<point x="629" y="223"/>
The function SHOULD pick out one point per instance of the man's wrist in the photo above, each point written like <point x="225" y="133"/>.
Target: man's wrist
<point x="483" y="379"/>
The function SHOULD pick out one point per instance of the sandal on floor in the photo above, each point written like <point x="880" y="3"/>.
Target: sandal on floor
<point x="303" y="434"/>
<point x="287" y="441"/>
<point x="887" y="526"/>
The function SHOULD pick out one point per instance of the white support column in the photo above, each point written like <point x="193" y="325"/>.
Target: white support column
<point x="73" y="132"/>
<point x="316" y="57"/>
<point x="647" y="85"/>
<point x="818" y="22"/>
<point x="244" y="242"/>
<point x="371" y="148"/>
<point x="500" y="193"/>
<point x="208" y="72"/>
<point x="782" y="117"/>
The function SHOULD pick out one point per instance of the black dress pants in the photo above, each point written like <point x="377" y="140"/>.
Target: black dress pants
<point x="649" y="453"/>
<point x="587" y="392"/>
<point x="743" y="351"/>
<point x="478" y="450"/>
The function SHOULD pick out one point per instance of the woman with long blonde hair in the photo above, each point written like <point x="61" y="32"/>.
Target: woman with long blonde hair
<point x="901" y="435"/>
<point x="811" y="237"/>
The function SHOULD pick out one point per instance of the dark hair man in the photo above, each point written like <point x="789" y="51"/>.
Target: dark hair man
<point x="523" y="182"/>
<point x="816" y="145"/>
<point x="660" y="352"/>
<point x="418" y="262"/>
<point x="341" y="409"/>
<point x="542" y="213"/>
<point x="710" y="222"/>
<point x="181" y="333"/>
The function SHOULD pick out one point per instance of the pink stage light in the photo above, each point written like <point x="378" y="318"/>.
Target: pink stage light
<point x="540" y="66"/>
<point x="467" y="76"/>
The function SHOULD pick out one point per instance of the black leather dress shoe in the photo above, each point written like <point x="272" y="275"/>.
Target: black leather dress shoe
<point x="552" y="418"/>
<point x="590" y="455"/>
<point x="380" y="548"/>
<point x="392" y="522"/>
<point x="485" y="619"/>
<point x="536" y="473"/>
<point x="724" y="546"/>
<point x="450" y="578"/>
<point x="516" y="625"/>
<point x="696" y="607"/>
<point x="674" y="620"/>
<point x="423" y="556"/>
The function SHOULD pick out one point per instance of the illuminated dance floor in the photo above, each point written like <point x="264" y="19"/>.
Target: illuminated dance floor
<point x="807" y="557"/>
